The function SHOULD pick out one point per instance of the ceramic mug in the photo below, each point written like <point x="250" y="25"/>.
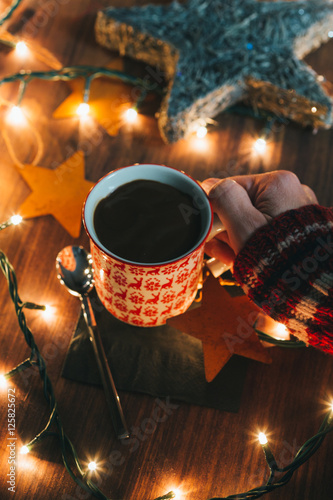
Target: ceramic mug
<point x="147" y="294"/>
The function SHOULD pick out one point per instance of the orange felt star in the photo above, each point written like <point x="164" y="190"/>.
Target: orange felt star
<point x="224" y="325"/>
<point x="59" y="192"/>
<point x="108" y="100"/>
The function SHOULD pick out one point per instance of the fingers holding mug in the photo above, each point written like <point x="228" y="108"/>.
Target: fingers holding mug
<point x="232" y="204"/>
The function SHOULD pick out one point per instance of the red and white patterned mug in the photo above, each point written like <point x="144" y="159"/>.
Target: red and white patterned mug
<point x="147" y="294"/>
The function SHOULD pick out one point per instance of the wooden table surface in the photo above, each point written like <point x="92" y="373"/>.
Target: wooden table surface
<point x="203" y="452"/>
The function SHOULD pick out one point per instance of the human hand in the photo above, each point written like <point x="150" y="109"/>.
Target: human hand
<point x="246" y="203"/>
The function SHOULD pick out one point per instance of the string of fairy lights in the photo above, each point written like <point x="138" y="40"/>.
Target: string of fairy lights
<point x="15" y="115"/>
<point x="81" y="474"/>
<point x="54" y="425"/>
<point x="89" y="73"/>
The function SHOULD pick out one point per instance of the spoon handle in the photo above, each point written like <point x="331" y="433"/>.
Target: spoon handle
<point x="110" y="390"/>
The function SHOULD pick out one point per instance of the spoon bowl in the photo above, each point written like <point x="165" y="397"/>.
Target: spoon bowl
<point x="75" y="272"/>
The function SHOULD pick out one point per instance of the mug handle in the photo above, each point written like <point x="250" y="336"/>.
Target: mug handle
<point x="215" y="266"/>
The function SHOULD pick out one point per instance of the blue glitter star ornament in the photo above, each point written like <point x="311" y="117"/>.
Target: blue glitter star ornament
<point x="215" y="53"/>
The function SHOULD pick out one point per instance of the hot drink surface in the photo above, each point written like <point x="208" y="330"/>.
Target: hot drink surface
<point x="148" y="222"/>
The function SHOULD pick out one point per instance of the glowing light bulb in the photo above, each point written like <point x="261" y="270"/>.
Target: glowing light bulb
<point x="24" y="450"/>
<point x="48" y="312"/>
<point x="260" y="145"/>
<point x="15" y="116"/>
<point x="92" y="466"/>
<point x="174" y="493"/>
<point x="3" y="382"/>
<point x="262" y="438"/>
<point x="281" y="331"/>
<point x="201" y="132"/>
<point x="272" y="328"/>
<point x="15" y="219"/>
<point x="83" y="109"/>
<point x="330" y="416"/>
<point x="177" y="492"/>
<point x="198" y="139"/>
<point x="131" y="115"/>
<point x="314" y="109"/>
<point x="21" y="49"/>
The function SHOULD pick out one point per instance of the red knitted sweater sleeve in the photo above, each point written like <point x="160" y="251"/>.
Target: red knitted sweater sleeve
<point x="286" y="268"/>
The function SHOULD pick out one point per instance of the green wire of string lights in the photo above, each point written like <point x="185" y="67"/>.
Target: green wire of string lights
<point x="303" y="454"/>
<point x="67" y="448"/>
<point x="69" y="454"/>
<point x="8" y="13"/>
<point x="72" y="72"/>
<point x="36" y="359"/>
<point x="287" y="344"/>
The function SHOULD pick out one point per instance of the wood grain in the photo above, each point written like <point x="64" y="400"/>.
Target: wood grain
<point x="204" y="452"/>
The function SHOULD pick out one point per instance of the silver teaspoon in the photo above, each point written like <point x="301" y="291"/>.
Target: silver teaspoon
<point x="75" y="271"/>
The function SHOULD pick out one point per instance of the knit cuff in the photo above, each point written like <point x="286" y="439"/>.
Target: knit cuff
<point x="286" y="268"/>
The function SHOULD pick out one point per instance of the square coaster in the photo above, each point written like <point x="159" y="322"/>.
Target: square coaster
<point x="159" y="361"/>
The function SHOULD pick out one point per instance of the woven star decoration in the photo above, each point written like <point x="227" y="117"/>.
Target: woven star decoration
<point x="108" y="100"/>
<point x="59" y="192"/>
<point x="224" y="324"/>
<point x="214" y="53"/>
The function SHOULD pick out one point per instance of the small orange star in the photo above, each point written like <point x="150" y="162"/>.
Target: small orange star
<point x="59" y="192"/>
<point x="224" y="325"/>
<point x="109" y="99"/>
